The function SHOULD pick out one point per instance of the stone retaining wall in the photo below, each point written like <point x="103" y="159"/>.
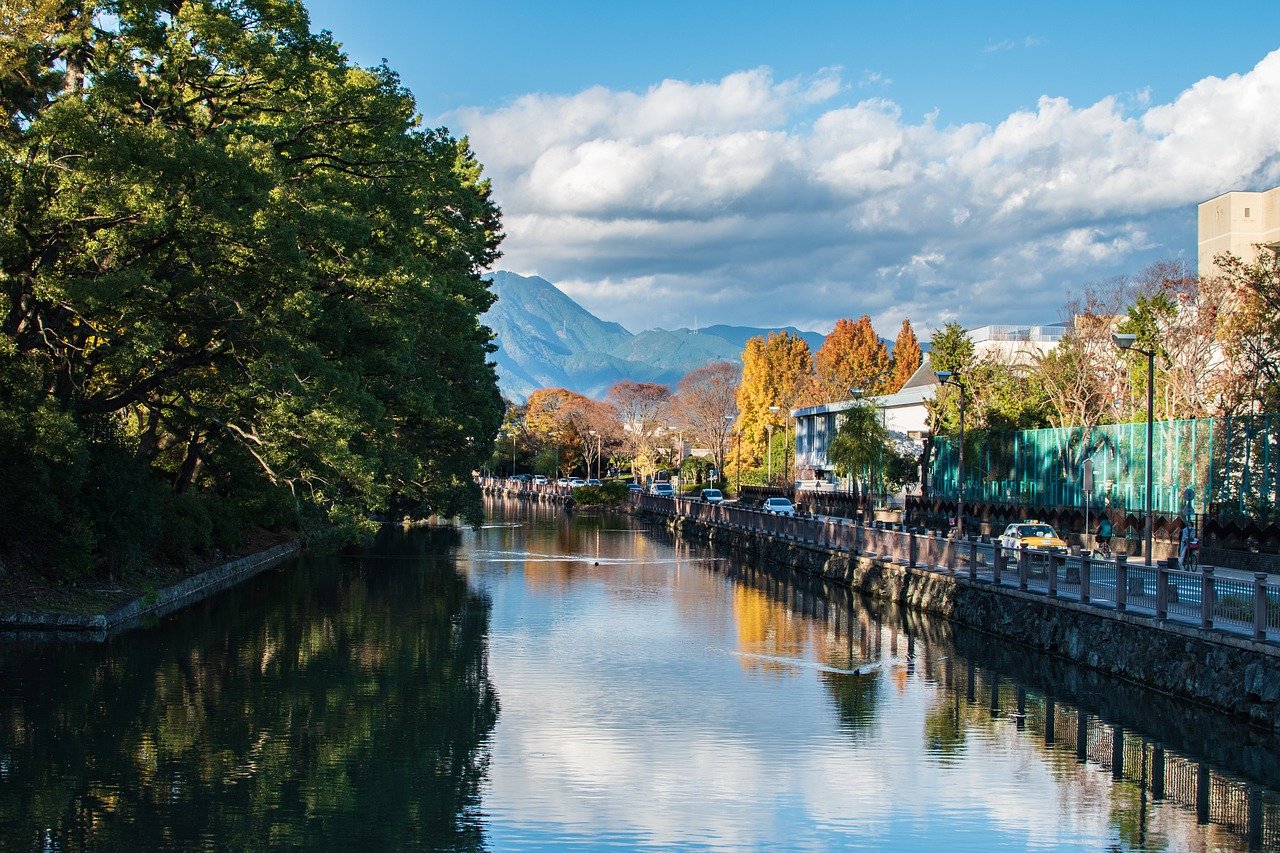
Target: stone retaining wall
<point x="98" y="626"/>
<point x="1229" y="673"/>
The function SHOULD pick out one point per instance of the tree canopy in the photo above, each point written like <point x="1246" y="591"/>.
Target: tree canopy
<point x="907" y="356"/>
<point x="235" y="259"/>
<point x="776" y="371"/>
<point x="852" y="356"/>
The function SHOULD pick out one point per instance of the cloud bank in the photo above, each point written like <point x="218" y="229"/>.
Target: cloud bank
<point x="759" y="201"/>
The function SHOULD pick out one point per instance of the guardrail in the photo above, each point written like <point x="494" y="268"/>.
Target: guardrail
<point x="523" y="487"/>
<point x="1233" y="603"/>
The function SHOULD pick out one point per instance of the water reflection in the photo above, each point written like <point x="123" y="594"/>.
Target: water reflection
<point x="654" y="694"/>
<point x="1160" y="757"/>
<point x="343" y="703"/>
<point x="657" y="694"/>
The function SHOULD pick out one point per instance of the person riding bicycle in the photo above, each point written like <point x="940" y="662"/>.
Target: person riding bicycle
<point x="1189" y="543"/>
<point x="1104" y="536"/>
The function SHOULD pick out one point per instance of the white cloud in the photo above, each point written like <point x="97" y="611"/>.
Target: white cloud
<point x="763" y="201"/>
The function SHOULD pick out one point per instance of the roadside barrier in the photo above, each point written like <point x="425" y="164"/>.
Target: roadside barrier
<point x="1231" y="602"/>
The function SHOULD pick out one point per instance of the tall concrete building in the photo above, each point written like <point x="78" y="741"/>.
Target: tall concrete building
<point x="1235" y="222"/>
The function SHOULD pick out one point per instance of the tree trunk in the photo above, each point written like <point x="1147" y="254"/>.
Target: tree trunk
<point x="191" y="464"/>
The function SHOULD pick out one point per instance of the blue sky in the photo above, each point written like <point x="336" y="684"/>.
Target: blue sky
<point x="767" y="163"/>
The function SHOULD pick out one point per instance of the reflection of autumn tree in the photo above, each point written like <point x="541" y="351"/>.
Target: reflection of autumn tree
<point x="767" y="628"/>
<point x="338" y="705"/>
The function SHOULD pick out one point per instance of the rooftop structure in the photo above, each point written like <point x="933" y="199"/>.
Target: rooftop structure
<point x="1016" y="344"/>
<point x="1237" y="222"/>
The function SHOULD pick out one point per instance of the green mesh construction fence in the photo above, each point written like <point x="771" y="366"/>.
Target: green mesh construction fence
<point x="1232" y="463"/>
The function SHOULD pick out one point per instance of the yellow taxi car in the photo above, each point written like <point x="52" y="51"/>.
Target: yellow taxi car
<point x="1033" y="534"/>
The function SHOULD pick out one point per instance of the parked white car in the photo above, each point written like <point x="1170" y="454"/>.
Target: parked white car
<point x="662" y="490"/>
<point x="779" y="506"/>
<point x="712" y="496"/>
<point x="539" y="480"/>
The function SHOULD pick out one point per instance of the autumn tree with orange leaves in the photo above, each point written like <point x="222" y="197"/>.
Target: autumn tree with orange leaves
<point x="907" y="357"/>
<point x="852" y="356"/>
<point x="574" y="429"/>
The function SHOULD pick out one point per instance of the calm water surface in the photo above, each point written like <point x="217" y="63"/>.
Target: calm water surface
<point x="576" y="682"/>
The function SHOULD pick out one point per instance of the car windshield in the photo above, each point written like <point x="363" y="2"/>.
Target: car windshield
<point x="779" y="502"/>
<point x="1042" y="531"/>
<point x="711" y="493"/>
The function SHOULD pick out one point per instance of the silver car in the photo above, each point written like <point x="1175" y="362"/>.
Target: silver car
<point x="779" y="506"/>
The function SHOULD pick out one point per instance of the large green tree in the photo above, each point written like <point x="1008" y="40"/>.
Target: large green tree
<point x="236" y="256"/>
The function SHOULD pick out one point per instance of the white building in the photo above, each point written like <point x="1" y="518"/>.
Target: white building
<point x="1016" y="344"/>
<point x="904" y="416"/>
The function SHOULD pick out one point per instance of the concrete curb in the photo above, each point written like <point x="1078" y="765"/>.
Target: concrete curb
<point x="98" y="626"/>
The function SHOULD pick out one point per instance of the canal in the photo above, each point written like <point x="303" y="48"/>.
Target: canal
<point x="578" y="681"/>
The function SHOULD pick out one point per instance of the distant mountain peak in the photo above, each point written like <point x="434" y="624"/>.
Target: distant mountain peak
<point x="545" y="339"/>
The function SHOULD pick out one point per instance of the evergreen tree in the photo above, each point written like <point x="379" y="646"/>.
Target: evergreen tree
<point x="233" y="256"/>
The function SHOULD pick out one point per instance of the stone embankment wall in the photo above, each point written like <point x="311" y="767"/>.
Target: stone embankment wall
<point x="1229" y="673"/>
<point x="101" y="625"/>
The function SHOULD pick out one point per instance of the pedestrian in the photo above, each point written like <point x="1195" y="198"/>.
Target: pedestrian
<point x="1104" y="535"/>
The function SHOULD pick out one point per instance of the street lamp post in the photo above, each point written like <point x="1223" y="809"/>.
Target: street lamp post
<point x="773" y="410"/>
<point x="946" y="377"/>
<point x="786" y="451"/>
<point x="597" y="455"/>
<point x="1126" y="343"/>
<point x="737" y="468"/>
<point x="728" y="424"/>
<point x="856" y="393"/>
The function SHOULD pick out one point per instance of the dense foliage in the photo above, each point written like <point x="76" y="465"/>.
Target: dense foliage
<point x="241" y="285"/>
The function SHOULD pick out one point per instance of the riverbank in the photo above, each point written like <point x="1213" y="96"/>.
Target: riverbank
<point x="1226" y="672"/>
<point x="37" y="608"/>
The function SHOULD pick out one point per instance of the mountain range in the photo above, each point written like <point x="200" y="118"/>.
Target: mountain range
<point x="546" y="340"/>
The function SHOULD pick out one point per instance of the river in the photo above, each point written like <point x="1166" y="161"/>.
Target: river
<point x="578" y="681"/>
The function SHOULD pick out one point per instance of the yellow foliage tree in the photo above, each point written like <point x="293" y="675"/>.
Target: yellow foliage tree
<point x="777" y="371"/>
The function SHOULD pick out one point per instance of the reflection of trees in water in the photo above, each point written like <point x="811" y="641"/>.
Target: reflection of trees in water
<point x="856" y="698"/>
<point x="994" y="692"/>
<point x="336" y="704"/>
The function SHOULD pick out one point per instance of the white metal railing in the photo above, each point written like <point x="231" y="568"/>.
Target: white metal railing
<point x="1231" y="603"/>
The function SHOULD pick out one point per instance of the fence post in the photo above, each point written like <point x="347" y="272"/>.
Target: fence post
<point x="1053" y="574"/>
<point x="913" y="549"/>
<point x="1260" y="606"/>
<point x="1162" y="590"/>
<point x="949" y="549"/>
<point x="1024" y="566"/>
<point x="1207" y="598"/>
<point x="998" y="563"/>
<point x="973" y="558"/>
<point x="1086" y="565"/>
<point x="1122" y="582"/>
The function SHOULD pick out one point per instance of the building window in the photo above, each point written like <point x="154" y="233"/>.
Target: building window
<point x="1246" y="213"/>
